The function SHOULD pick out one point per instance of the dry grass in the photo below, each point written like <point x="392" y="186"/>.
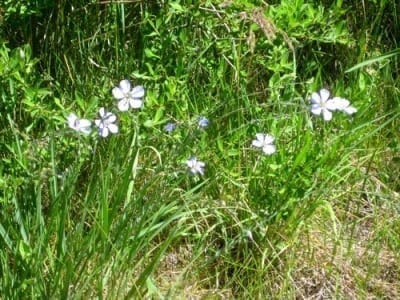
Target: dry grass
<point x="176" y="280"/>
<point x="351" y="258"/>
<point x="358" y="262"/>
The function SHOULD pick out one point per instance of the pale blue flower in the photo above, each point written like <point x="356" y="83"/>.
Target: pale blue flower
<point x="343" y="105"/>
<point x="265" y="142"/>
<point x="128" y="97"/>
<point x="169" y="127"/>
<point x="321" y="104"/>
<point x="195" y="166"/>
<point x="106" y="123"/>
<point x="203" y="122"/>
<point x="80" y="125"/>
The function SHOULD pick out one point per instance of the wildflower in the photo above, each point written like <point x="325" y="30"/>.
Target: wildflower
<point x="80" y="125"/>
<point x="169" y="127"/>
<point x="203" y="122"/>
<point x="105" y="123"/>
<point x="342" y="104"/>
<point x="320" y="103"/>
<point x="195" y="166"/>
<point x="264" y="142"/>
<point x="128" y="97"/>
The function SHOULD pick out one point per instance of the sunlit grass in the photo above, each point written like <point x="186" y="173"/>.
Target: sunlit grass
<point x="219" y="182"/>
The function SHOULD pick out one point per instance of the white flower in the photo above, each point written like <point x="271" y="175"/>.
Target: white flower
<point x="264" y="142"/>
<point x="195" y="166"/>
<point x="320" y="103"/>
<point x="80" y="125"/>
<point x="128" y="97"/>
<point x="342" y="104"/>
<point x="203" y="122"/>
<point x="105" y="123"/>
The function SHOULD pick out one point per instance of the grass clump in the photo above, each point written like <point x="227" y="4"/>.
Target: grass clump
<point x="287" y="203"/>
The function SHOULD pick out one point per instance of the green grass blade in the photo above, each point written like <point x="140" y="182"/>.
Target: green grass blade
<point x="374" y="60"/>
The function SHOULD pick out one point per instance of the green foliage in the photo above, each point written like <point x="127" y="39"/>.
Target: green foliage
<point x="84" y="217"/>
<point x="23" y="8"/>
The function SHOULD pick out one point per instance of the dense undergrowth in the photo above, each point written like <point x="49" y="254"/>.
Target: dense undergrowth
<point x="122" y="217"/>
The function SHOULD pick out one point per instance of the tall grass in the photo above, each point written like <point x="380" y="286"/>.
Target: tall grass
<point x="121" y="217"/>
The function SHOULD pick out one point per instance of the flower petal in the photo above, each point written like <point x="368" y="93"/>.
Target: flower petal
<point x="101" y="112"/>
<point x="200" y="170"/>
<point x="118" y="93"/>
<point x="324" y="95"/>
<point x="315" y="98"/>
<point x="123" y="105"/>
<point x="72" y="118"/>
<point x="339" y="103"/>
<point x="97" y="122"/>
<point x="84" y="123"/>
<point x="110" y="118"/>
<point x="104" y="132"/>
<point x="125" y="86"/>
<point x="85" y="130"/>
<point x="113" y="128"/>
<point x="260" y="137"/>
<point x="268" y="139"/>
<point x="327" y="115"/>
<point x="316" y="109"/>
<point x="269" y="149"/>
<point x="350" y="110"/>
<point x="135" y="103"/>
<point x="257" y="144"/>
<point x="190" y="163"/>
<point x="331" y="105"/>
<point x="137" y="92"/>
